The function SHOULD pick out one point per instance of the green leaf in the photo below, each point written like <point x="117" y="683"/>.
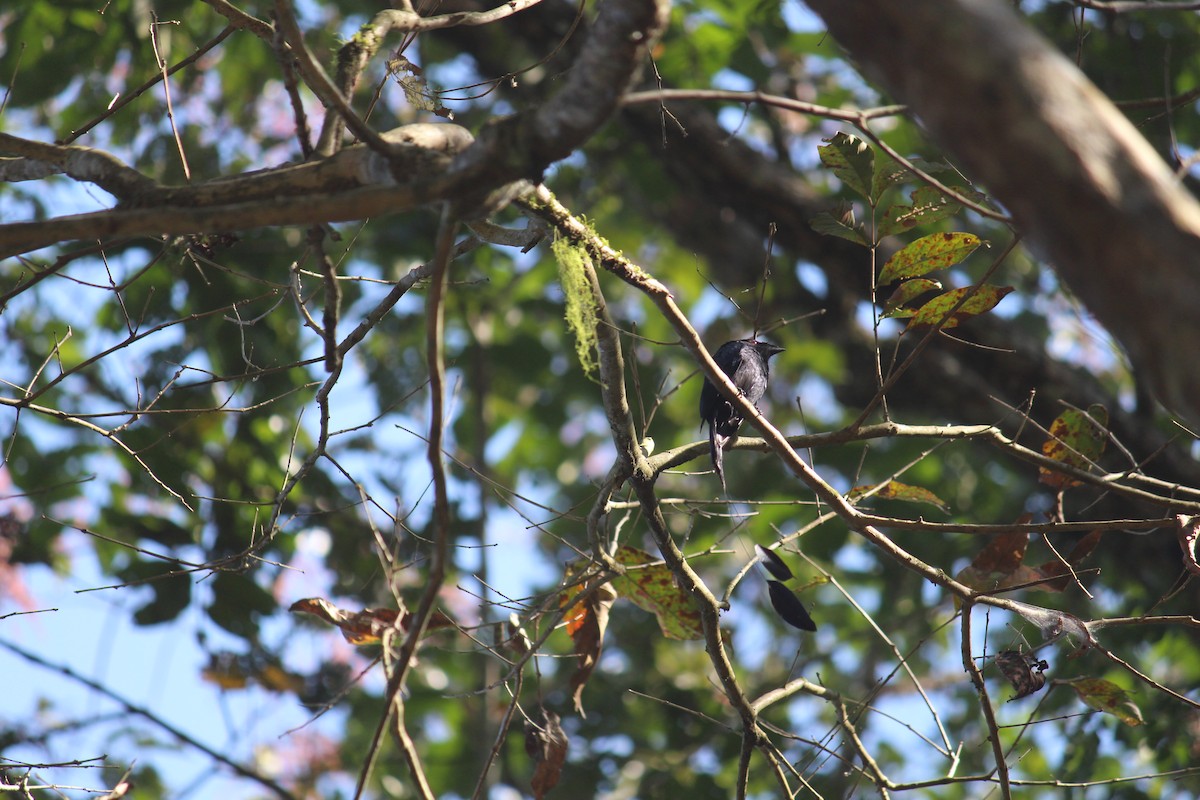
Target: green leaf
<point x="929" y="253"/>
<point x="888" y="173"/>
<point x="895" y="490"/>
<point x="1076" y="439"/>
<point x="937" y="311"/>
<point x="928" y="206"/>
<point x="905" y="293"/>
<point x="853" y="162"/>
<point x="651" y="587"/>
<point x="1106" y="696"/>
<point x="842" y="225"/>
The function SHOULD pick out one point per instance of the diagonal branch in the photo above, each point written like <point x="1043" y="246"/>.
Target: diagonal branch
<point x="133" y="708"/>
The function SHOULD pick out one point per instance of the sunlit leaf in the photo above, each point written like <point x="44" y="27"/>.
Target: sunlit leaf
<point x="652" y="587"/>
<point x="1108" y="697"/>
<point x="895" y="490"/>
<point x="933" y="252"/>
<point x="1076" y="439"/>
<point x="945" y="310"/>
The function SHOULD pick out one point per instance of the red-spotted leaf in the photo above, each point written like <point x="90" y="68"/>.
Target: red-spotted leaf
<point x="1106" y="696"/>
<point x="651" y="587"/>
<point x="927" y="254"/>
<point x="887" y="173"/>
<point x="945" y="309"/>
<point x="851" y="160"/>
<point x="1076" y="439"/>
<point x="895" y="490"/>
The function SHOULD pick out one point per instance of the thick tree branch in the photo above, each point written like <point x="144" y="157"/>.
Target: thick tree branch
<point x="482" y="179"/>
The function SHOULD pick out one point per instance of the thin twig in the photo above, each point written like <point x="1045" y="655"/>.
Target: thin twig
<point x="162" y="68"/>
<point x="435" y="323"/>
<point x="133" y="708"/>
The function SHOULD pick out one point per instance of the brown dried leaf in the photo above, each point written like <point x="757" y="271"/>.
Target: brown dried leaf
<point x="1189" y="533"/>
<point x="588" y="637"/>
<point x="546" y="743"/>
<point x="366" y="626"/>
<point x="1058" y="573"/>
<point x="1003" y="554"/>
<point x="1023" y="671"/>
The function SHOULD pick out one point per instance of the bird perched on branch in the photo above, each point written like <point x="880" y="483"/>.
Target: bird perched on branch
<point x="745" y="362"/>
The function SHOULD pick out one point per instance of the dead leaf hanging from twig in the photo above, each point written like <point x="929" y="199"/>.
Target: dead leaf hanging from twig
<point x="366" y="626"/>
<point x="546" y="743"/>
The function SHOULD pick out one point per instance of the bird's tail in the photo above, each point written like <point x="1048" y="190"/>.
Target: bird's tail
<point x="716" y="446"/>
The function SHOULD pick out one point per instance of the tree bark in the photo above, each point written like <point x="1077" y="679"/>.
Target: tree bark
<point x="1081" y="183"/>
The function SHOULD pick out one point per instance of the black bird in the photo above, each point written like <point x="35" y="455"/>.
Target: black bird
<point x="745" y="362"/>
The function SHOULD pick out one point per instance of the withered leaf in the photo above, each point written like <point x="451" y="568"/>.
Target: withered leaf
<point x="1189" y="533"/>
<point x="368" y="625"/>
<point x="546" y="743"/>
<point x="587" y="632"/>
<point x="1059" y="574"/>
<point x="1023" y="671"/>
<point x="1077" y="439"/>
<point x="1003" y="554"/>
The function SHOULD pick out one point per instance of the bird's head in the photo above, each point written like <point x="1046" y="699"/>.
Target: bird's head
<point x="765" y="349"/>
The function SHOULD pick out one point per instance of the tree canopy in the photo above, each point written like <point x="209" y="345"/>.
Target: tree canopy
<point x="354" y="354"/>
